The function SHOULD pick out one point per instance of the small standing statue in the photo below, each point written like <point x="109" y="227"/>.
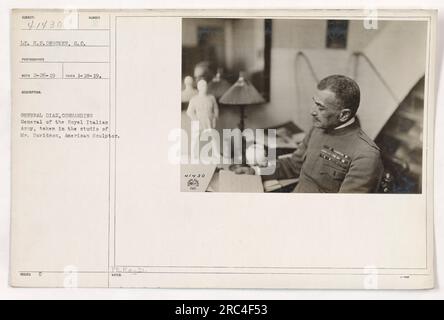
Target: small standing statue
<point x="189" y="91"/>
<point x="203" y="107"/>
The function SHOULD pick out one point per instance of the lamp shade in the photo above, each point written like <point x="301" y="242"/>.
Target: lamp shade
<point x="242" y="92"/>
<point x="218" y="86"/>
<point x="217" y="89"/>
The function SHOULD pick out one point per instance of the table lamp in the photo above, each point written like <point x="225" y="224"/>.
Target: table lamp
<point x="218" y="85"/>
<point x="242" y="94"/>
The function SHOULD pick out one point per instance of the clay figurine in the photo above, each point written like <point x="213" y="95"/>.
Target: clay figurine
<point x="203" y="107"/>
<point x="189" y="91"/>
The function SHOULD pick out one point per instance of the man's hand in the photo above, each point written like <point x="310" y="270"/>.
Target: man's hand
<point x="244" y="170"/>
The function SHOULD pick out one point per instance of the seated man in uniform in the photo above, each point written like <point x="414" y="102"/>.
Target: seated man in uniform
<point x="336" y="155"/>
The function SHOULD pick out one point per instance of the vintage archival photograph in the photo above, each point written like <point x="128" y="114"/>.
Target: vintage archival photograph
<point x="303" y="105"/>
<point x="108" y="173"/>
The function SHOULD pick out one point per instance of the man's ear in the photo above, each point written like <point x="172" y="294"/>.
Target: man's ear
<point x="345" y="115"/>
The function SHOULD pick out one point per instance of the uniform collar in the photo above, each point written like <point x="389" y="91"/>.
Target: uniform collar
<point x="349" y="122"/>
<point x="349" y="126"/>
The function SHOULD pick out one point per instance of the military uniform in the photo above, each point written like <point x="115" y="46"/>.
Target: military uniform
<point x="339" y="160"/>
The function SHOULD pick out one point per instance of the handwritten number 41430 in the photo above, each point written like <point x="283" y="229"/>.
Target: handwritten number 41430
<point x="46" y="24"/>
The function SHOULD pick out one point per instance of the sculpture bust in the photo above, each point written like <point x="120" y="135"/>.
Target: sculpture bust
<point x="189" y="91"/>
